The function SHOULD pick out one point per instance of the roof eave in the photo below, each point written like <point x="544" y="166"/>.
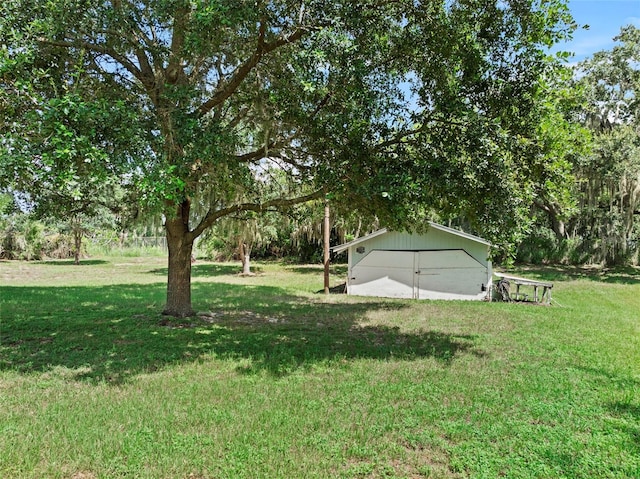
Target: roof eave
<point x="462" y="234"/>
<point x="346" y="246"/>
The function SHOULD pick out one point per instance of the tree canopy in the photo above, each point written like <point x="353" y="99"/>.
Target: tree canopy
<point x="397" y="108"/>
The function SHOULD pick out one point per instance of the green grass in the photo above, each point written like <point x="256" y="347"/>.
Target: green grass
<point x="279" y="381"/>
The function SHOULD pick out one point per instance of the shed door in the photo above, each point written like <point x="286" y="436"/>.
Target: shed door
<point x="389" y="274"/>
<point x="449" y="274"/>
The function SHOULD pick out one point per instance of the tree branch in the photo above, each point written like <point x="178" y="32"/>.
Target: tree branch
<point x="174" y="69"/>
<point x="238" y="118"/>
<point x="104" y="50"/>
<point x="236" y="79"/>
<point x="213" y="216"/>
<point x="402" y="136"/>
<point x="321" y="104"/>
<point x="134" y="40"/>
<point x="275" y="145"/>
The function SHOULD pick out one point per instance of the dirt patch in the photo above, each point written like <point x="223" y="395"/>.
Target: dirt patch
<point x="425" y="460"/>
<point x="84" y="475"/>
<point x="338" y="289"/>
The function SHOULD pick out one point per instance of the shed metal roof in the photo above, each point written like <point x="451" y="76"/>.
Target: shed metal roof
<point x="345" y="246"/>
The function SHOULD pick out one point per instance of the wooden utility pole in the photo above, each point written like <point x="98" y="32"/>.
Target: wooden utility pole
<point x="327" y="239"/>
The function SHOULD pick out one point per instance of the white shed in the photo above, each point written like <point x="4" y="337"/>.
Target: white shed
<point x="442" y="263"/>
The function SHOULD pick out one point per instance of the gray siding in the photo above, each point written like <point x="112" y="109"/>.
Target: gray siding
<point x="434" y="239"/>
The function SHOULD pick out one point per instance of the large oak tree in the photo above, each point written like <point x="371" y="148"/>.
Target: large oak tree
<point x="397" y="107"/>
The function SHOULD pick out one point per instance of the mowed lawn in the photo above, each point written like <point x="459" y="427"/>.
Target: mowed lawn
<point x="278" y="381"/>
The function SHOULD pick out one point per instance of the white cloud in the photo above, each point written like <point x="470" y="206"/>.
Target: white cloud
<point x="591" y="44"/>
<point x="585" y="44"/>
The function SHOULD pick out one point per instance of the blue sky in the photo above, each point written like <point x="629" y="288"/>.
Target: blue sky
<point x="605" y="18"/>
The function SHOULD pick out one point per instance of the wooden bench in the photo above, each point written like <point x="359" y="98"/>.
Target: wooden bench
<point x="545" y="298"/>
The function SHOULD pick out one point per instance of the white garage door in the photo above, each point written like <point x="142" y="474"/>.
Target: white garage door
<point x="389" y="274"/>
<point x="449" y="274"/>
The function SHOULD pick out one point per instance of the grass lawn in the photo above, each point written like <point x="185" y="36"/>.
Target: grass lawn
<point x="277" y="381"/>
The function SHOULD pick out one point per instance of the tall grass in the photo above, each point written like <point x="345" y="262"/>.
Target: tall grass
<point x="274" y="380"/>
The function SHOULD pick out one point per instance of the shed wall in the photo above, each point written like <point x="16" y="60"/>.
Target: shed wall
<point x="434" y="239"/>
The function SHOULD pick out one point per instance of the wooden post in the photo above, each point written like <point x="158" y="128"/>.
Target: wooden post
<point x="327" y="239"/>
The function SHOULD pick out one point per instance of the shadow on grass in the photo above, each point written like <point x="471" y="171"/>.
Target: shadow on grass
<point x="109" y="334"/>
<point x="209" y="269"/>
<point x="629" y="420"/>
<point x="317" y="270"/>
<point x="608" y="377"/>
<point x="71" y="262"/>
<point x="626" y="409"/>
<point x="621" y="275"/>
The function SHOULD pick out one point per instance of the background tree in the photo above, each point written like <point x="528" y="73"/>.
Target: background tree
<point x="64" y="146"/>
<point x="598" y="221"/>
<point x="72" y="176"/>
<point x="609" y="177"/>
<point x="388" y="104"/>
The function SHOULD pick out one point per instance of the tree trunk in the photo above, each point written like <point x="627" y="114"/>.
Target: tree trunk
<point x="180" y="244"/>
<point x="246" y="263"/>
<point x="77" y="238"/>
<point x="559" y="227"/>
<point x="326" y="246"/>
<point x="554" y="213"/>
<point x="245" y="256"/>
